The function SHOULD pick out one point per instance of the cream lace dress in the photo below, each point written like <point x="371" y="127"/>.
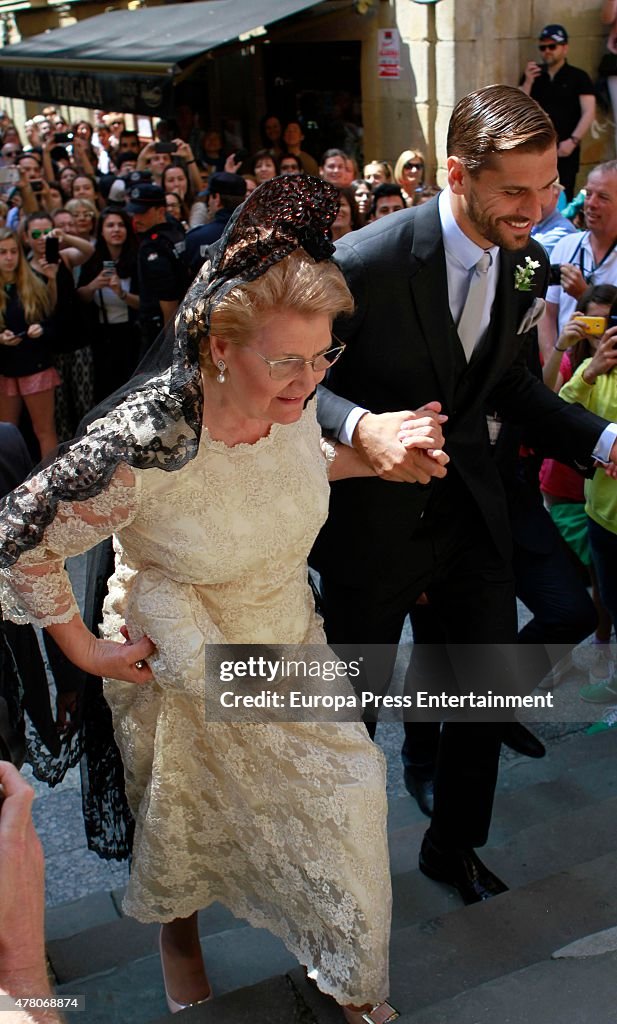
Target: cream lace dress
<point x="283" y="823"/>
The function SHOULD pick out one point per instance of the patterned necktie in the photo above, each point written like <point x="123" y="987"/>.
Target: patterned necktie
<point x="471" y="317"/>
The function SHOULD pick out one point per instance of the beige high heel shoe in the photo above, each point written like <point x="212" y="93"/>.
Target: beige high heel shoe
<point x="383" y="1013"/>
<point x="173" y="1006"/>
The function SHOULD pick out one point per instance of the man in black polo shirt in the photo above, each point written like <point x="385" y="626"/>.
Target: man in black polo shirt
<point x="566" y="94"/>
<point x="162" y="271"/>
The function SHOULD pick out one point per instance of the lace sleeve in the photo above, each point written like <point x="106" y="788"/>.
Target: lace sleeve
<point x="36" y="588"/>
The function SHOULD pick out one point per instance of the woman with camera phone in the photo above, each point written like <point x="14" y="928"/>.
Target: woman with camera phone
<point x="106" y="282"/>
<point x="27" y="374"/>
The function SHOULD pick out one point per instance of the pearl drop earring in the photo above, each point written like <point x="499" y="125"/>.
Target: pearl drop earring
<point x="221" y="367"/>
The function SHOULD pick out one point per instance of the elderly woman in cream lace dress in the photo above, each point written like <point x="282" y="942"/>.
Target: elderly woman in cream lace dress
<point x="283" y="822"/>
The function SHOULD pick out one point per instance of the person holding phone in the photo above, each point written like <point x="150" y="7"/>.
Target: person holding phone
<point x="27" y="373"/>
<point x="108" y="283"/>
<point x="594" y="386"/>
<point x="567" y="95"/>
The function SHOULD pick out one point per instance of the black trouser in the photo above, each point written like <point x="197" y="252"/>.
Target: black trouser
<point x="452" y="559"/>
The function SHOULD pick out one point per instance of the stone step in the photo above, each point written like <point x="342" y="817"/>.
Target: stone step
<point x="544" y="849"/>
<point x="133" y="992"/>
<point x="439" y="958"/>
<point x="552" y="992"/>
<point x="573" y="759"/>
<point x="514" y="810"/>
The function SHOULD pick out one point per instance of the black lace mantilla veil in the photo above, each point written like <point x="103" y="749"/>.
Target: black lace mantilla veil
<point x="154" y="421"/>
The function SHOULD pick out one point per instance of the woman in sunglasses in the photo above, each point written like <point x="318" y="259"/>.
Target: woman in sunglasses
<point x="209" y="470"/>
<point x="409" y="173"/>
<point x="27" y="374"/>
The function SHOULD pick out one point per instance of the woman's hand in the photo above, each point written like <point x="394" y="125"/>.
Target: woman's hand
<point x="113" y="660"/>
<point x="50" y="270"/>
<point x="604" y="358"/>
<point x="573" y="332"/>
<point x="113" y="282"/>
<point x="232" y="166"/>
<point x="34" y="331"/>
<point x="8" y="338"/>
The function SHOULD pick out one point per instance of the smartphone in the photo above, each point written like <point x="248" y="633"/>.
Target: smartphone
<point x="9" y="175"/>
<point x="165" y="147"/>
<point x="36" y="186"/>
<point x="109" y="268"/>
<point x="241" y="155"/>
<point x="595" y="326"/>
<point x="611" y="321"/>
<point x="63" y="137"/>
<point x="554" y="276"/>
<point x="52" y="249"/>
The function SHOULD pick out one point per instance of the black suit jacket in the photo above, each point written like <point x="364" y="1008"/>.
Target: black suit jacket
<point x="403" y="351"/>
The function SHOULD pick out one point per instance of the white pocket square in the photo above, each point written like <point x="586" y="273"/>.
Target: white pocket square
<point x="532" y="316"/>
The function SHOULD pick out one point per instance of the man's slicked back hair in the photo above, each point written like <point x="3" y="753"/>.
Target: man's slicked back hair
<point x="497" y="119"/>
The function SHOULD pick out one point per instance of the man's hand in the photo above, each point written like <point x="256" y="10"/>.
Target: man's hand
<point x="21" y="888"/>
<point x="405" y="446"/>
<point x="572" y="281"/>
<point x="532" y="71"/>
<point x="566" y="147"/>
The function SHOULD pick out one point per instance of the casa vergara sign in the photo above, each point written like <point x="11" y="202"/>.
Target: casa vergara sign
<point x="105" y="91"/>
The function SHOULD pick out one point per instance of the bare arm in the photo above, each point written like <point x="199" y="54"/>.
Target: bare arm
<point x="23" y="970"/>
<point x="572" y="333"/>
<point x="79" y="249"/>
<point x="168" y="309"/>
<point x="609" y="12"/>
<point x="547" y="330"/>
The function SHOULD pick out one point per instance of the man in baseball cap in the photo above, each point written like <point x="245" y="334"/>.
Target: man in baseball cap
<point x="161" y="264"/>
<point x="566" y="94"/>
<point x="225" y="192"/>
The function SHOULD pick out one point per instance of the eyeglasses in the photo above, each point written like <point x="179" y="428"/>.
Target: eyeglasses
<point x="292" y="366"/>
<point x="411" y="166"/>
<point x="39" y="232"/>
<point x="116" y="124"/>
<point x="548" y="46"/>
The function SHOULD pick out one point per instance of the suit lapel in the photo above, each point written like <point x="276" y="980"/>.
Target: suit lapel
<point x="429" y="290"/>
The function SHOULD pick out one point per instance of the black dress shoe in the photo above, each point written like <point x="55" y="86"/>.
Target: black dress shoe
<point x="420" y="787"/>
<point x="519" y="738"/>
<point x="461" y="868"/>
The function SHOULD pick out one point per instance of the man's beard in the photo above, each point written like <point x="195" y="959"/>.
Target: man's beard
<point x="492" y="230"/>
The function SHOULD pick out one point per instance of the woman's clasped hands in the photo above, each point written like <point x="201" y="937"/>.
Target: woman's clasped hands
<point x="8" y="338"/>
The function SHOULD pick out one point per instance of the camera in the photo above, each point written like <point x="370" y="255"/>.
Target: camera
<point x="165" y="147"/>
<point x="61" y="138"/>
<point x="554" y="276"/>
<point x="36" y="186"/>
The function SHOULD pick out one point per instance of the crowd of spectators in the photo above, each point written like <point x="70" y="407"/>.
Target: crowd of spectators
<point x="109" y="228"/>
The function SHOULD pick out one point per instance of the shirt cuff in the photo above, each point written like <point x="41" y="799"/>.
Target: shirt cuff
<point x="606" y="440"/>
<point x="350" y="425"/>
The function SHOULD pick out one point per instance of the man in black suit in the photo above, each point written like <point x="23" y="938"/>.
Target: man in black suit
<point x="419" y="527"/>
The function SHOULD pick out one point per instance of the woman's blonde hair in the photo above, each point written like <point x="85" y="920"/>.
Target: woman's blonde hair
<point x="74" y="205"/>
<point x="295" y="284"/>
<point x="404" y="158"/>
<point x="33" y="293"/>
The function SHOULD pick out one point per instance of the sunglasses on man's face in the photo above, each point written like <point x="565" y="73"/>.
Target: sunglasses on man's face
<point x="548" y="46"/>
<point x="39" y="233"/>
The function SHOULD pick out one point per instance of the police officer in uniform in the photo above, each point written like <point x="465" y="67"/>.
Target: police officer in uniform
<point x="162" y="270"/>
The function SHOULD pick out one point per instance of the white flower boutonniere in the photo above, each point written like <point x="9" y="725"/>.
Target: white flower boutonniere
<point x="524" y="275"/>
